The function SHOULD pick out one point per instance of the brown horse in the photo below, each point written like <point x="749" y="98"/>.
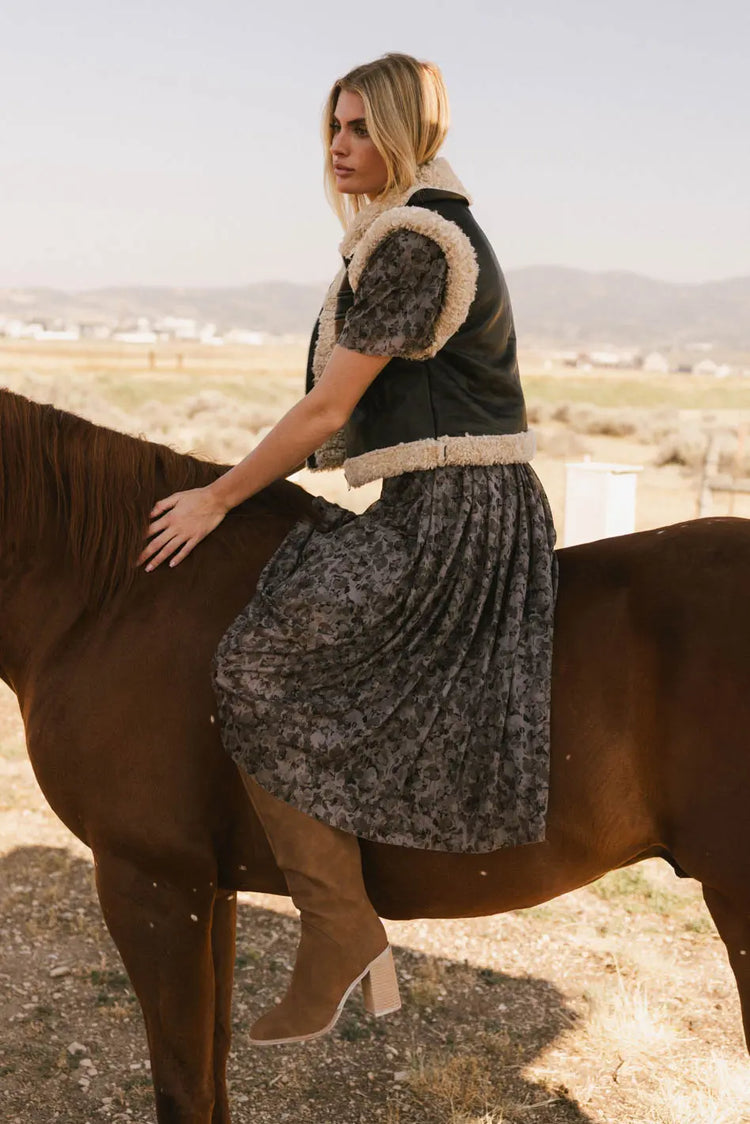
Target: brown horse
<point x="650" y="724"/>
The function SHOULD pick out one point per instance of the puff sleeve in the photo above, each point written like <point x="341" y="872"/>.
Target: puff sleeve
<point x="399" y="297"/>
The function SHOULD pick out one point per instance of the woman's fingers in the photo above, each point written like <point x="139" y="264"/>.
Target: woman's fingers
<point x="156" y="543"/>
<point x="158" y="525"/>
<point x="169" y="548"/>
<point x="176" y="532"/>
<point x="184" y="552"/>
<point x="164" y="505"/>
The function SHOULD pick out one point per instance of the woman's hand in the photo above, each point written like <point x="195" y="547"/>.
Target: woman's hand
<point x="179" y="522"/>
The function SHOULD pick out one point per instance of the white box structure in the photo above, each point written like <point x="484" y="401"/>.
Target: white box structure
<point x="599" y="500"/>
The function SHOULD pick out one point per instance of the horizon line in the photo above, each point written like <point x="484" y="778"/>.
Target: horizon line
<point x="611" y="271"/>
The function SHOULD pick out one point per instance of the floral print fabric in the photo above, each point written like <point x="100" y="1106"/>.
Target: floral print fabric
<point x="399" y="296"/>
<point x="391" y="675"/>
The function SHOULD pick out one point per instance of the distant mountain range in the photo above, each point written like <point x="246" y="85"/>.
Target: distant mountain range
<point x="553" y="305"/>
<point x="573" y="307"/>
<point x="279" y="307"/>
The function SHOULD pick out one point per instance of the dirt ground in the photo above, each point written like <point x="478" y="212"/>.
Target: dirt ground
<point x="611" y="1005"/>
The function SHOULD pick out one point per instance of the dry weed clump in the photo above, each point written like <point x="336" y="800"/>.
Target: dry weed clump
<point x="640" y="424"/>
<point x="560" y="427"/>
<point x="688" y="446"/>
<point x="460" y="1086"/>
<point x="661" y="1075"/>
<point x="625" y="1018"/>
<point x="562" y="444"/>
<point x="602" y="421"/>
<point x="561" y="430"/>
<point x="712" y="1091"/>
<point x="540" y="413"/>
<point x="734" y="454"/>
<point x="429" y="983"/>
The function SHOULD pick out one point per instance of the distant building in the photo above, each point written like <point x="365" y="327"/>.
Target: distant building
<point x="11" y="328"/>
<point x="95" y="331"/>
<point x="705" y="367"/>
<point x="31" y="330"/>
<point x="50" y="334"/>
<point x="38" y="330"/>
<point x="243" y="335"/>
<point x="656" y="363"/>
<point x="137" y="335"/>
<point x="612" y="358"/>
<point x="178" y="327"/>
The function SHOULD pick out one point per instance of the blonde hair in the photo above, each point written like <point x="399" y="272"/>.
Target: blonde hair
<point x="407" y="116"/>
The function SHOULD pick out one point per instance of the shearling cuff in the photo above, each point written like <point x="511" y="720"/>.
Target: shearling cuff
<point x="463" y="266"/>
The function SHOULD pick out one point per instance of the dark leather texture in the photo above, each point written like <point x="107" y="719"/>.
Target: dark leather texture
<point x="470" y="386"/>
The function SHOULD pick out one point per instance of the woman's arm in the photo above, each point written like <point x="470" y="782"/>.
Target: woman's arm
<point x="303" y="428"/>
<point x="181" y="520"/>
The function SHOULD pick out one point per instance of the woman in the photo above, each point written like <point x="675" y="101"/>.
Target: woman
<point x="390" y="677"/>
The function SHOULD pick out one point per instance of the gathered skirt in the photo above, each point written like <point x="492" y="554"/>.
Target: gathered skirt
<point x="391" y="674"/>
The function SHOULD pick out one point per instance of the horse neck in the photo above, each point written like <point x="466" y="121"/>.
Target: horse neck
<point x="74" y="504"/>
<point x="40" y="593"/>
<point x="40" y="601"/>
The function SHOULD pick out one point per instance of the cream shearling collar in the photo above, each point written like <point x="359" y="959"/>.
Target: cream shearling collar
<point x="435" y="173"/>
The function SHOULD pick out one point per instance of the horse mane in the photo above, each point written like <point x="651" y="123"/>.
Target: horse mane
<point x="99" y="486"/>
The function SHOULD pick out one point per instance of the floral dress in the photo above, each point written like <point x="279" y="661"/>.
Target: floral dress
<point x="391" y="674"/>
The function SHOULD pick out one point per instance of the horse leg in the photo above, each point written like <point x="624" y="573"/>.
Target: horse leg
<point x="733" y="923"/>
<point x="222" y="945"/>
<point x="162" y="928"/>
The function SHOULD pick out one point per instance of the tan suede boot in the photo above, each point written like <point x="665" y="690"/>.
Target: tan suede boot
<point x="342" y="940"/>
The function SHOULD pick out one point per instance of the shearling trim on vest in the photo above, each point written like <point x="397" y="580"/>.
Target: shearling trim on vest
<point x="435" y="173"/>
<point x="435" y="452"/>
<point x="462" y="275"/>
<point x="463" y="267"/>
<point x="332" y="453"/>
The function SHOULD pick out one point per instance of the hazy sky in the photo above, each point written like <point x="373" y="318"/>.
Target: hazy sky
<point x="178" y="142"/>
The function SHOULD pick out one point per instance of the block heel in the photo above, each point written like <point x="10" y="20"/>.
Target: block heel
<point x="380" y="985"/>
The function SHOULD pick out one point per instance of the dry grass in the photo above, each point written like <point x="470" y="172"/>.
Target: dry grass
<point x="623" y="1017"/>
<point x="664" y="1077"/>
<point x="461" y="1085"/>
<point x="623" y="389"/>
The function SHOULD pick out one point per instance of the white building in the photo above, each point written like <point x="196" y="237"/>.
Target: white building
<point x="137" y="335"/>
<point x="243" y="335"/>
<point x="656" y="363"/>
<point x="50" y="334"/>
<point x="179" y="327"/>
<point x="705" y="367"/>
<point x="11" y="328"/>
<point x="611" y="357"/>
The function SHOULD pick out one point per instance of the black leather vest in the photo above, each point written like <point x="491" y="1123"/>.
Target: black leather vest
<point x="471" y="386"/>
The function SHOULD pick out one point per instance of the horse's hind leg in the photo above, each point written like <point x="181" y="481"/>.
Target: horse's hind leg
<point x="163" y="932"/>
<point x="223" y="944"/>
<point x="733" y="923"/>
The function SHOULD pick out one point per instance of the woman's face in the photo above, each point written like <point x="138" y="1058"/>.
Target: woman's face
<point x="357" y="165"/>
